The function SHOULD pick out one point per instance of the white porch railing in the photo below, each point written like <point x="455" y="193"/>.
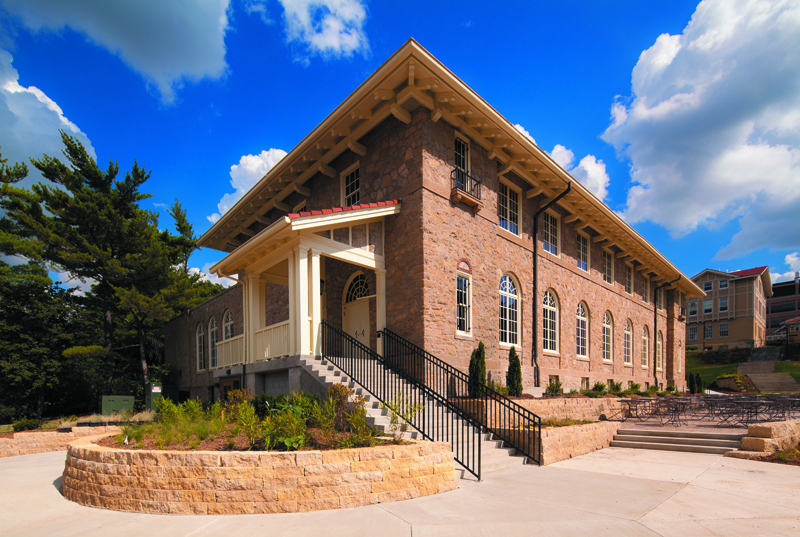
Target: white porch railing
<point x="230" y="352"/>
<point x="271" y="342"/>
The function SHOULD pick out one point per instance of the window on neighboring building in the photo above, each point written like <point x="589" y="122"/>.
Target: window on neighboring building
<point x="708" y="305"/>
<point x="608" y="267"/>
<point x="722" y="348"/>
<point x="509" y="311"/>
<point x="723" y="284"/>
<point x="628" y="342"/>
<point x="629" y="279"/>
<point x="645" y="348"/>
<point x="583" y="252"/>
<point x="351" y="187"/>
<point x="508" y="208"/>
<point x="692" y="308"/>
<point x="212" y="342"/>
<point x="201" y="348"/>
<point x="659" y="351"/>
<point x="581" y="331"/>
<point x="608" y="337"/>
<point x="692" y="333"/>
<point x="708" y="331"/>
<point x="549" y="322"/>
<point x="550" y="238"/>
<point x="227" y="325"/>
<point x="708" y="286"/>
<point x="463" y="303"/>
<point x="723" y="330"/>
<point x="723" y="303"/>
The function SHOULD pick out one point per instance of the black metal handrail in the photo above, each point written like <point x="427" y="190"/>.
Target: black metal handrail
<point x="439" y="420"/>
<point x="518" y="427"/>
<point x="463" y="181"/>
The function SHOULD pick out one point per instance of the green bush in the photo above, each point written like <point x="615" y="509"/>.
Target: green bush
<point x="599" y="387"/>
<point x="554" y="388"/>
<point x="26" y="424"/>
<point x="634" y="387"/>
<point x="615" y="387"/>
<point x="514" y="374"/>
<point x="477" y="371"/>
<point x="652" y="389"/>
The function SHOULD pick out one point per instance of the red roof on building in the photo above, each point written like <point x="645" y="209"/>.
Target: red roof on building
<point x="792" y="320"/>
<point x="749" y="272"/>
<point x="343" y="209"/>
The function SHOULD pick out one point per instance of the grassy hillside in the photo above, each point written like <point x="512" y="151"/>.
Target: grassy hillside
<point x="793" y="368"/>
<point x="709" y="373"/>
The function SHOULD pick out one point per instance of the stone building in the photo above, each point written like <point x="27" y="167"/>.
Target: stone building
<point x="413" y="206"/>
<point x="734" y="311"/>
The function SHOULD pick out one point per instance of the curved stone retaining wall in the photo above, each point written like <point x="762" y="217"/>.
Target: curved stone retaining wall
<point x="214" y="483"/>
<point x="44" y="441"/>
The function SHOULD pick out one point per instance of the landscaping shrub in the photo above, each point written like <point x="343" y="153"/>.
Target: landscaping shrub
<point x="615" y="386"/>
<point x="477" y="371"/>
<point x="514" y="374"/>
<point x="599" y="387"/>
<point x="690" y="381"/>
<point x="554" y="388"/>
<point x="26" y="424"/>
<point x="634" y="387"/>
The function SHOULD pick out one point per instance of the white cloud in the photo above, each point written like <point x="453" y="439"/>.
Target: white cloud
<point x="589" y="171"/>
<point x="213" y="278"/>
<point x="329" y="28"/>
<point x="30" y="122"/>
<point x="712" y="129"/>
<point x="524" y="131"/>
<point x="248" y="172"/>
<point x="793" y="262"/>
<point x="167" y="42"/>
<point x="68" y="281"/>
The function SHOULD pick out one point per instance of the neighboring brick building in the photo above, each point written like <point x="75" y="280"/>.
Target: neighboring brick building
<point x="435" y="242"/>
<point x="733" y="312"/>
<point x="784" y="303"/>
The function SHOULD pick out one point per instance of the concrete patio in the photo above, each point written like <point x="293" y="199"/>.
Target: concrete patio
<point x="615" y="491"/>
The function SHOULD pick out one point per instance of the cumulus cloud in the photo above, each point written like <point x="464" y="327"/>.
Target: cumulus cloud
<point x="30" y="121"/>
<point x="328" y="28"/>
<point x="524" y="131"/>
<point x="213" y="278"/>
<point x="589" y="171"/>
<point x="248" y="172"/>
<point x="166" y="42"/>
<point x="712" y="128"/>
<point x="68" y="281"/>
<point x="793" y="262"/>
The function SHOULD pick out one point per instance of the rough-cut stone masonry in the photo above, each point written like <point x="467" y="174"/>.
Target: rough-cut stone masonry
<point x="574" y="408"/>
<point x="766" y="438"/>
<point x="44" y="441"/>
<point x="226" y="483"/>
<point x="561" y="443"/>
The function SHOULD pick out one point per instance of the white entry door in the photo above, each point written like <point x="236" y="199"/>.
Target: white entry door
<point x="355" y="320"/>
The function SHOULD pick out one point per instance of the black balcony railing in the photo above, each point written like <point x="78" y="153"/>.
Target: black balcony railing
<point x="516" y="426"/>
<point x="463" y="181"/>
<point x="389" y="382"/>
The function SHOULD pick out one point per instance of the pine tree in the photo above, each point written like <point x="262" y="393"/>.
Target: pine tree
<point x="699" y="384"/>
<point x="514" y="374"/>
<point x="477" y="371"/>
<point x="690" y="381"/>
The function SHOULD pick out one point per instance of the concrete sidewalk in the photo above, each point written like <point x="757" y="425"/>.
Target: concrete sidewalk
<point x="615" y="491"/>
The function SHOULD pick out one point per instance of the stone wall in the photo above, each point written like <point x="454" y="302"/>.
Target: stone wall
<point x="223" y="483"/>
<point x="561" y="443"/>
<point x="44" y="441"/>
<point x="765" y="438"/>
<point x="577" y="408"/>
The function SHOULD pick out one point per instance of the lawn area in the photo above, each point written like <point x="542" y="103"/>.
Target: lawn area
<point x="709" y="373"/>
<point x="793" y="368"/>
<point x="53" y="424"/>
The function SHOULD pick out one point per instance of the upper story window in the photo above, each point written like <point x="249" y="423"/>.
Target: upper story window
<point x="628" y="354"/>
<point x="201" y="347"/>
<point x="660" y="298"/>
<point x="723" y="303"/>
<point x="509" y="311"/>
<point x="462" y="154"/>
<point x="659" y="351"/>
<point x="608" y="337"/>
<point x="692" y="333"/>
<point x="508" y="208"/>
<point x="550" y="322"/>
<point x="212" y="342"/>
<point x="646" y="289"/>
<point x="693" y="308"/>
<point x="227" y="325"/>
<point x="708" y="331"/>
<point x="708" y="305"/>
<point x="550" y="238"/>
<point x="463" y="303"/>
<point x="608" y="267"/>
<point x="723" y="284"/>
<point x="723" y="330"/>
<point x="351" y="186"/>
<point x="708" y="286"/>
<point x="583" y="252"/>
<point x="645" y="348"/>
<point x="581" y="331"/>
<point x="629" y="279"/>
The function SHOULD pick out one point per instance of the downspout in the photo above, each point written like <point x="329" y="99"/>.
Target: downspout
<point x="536" y="380"/>
<point x="655" y="327"/>
<point x="245" y="324"/>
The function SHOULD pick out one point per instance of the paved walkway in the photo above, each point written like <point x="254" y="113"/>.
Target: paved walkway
<point x="612" y="492"/>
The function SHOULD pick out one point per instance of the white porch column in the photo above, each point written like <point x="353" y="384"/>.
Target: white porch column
<point x="380" y="305"/>
<point x="316" y="303"/>
<point x="303" y="345"/>
<point x="292" y="307"/>
<point x="256" y="314"/>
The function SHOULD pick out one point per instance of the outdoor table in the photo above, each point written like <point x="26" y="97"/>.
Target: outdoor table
<point x="672" y="411"/>
<point x="637" y="408"/>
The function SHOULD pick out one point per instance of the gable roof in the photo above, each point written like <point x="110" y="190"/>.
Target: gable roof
<point x="412" y="78"/>
<point x="748" y="272"/>
<point x="766" y="279"/>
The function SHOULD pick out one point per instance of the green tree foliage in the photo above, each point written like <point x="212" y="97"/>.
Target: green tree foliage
<point x="514" y="374"/>
<point x="691" y="384"/>
<point x="477" y="371"/>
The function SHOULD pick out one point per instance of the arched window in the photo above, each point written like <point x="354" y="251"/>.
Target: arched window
<point x="549" y="322"/>
<point x="509" y="311"/>
<point x="201" y="348"/>
<point x="645" y="347"/>
<point x="212" y="342"/>
<point x="659" y="351"/>
<point x="608" y="339"/>
<point x="629" y="342"/>
<point x="581" y="331"/>
<point x="358" y="288"/>
<point x="227" y="325"/>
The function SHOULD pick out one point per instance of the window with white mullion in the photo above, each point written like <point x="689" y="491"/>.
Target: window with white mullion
<point x="659" y="352"/>
<point x="352" y="188"/>
<point x="550" y="230"/>
<point x="463" y="304"/>
<point x="549" y="323"/>
<point x="645" y="348"/>
<point x="462" y="155"/>
<point x="608" y="330"/>
<point x="583" y="252"/>
<point x="212" y="342"/>
<point x="581" y="331"/>
<point x="628" y="342"/>
<point x="509" y="311"/>
<point x="201" y="347"/>
<point x="608" y="267"/>
<point x="508" y="208"/>
<point x="629" y="279"/>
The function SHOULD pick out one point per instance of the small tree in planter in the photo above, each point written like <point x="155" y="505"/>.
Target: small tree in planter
<point x="477" y="371"/>
<point x="514" y="374"/>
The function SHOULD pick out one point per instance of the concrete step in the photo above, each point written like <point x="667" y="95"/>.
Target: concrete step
<point x="682" y="434"/>
<point x="732" y="444"/>
<point x="756" y="367"/>
<point x="670" y="447"/>
<point x="774" y="382"/>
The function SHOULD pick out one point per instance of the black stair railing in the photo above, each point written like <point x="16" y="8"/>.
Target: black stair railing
<point x="439" y="421"/>
<point x="517" y="426"/>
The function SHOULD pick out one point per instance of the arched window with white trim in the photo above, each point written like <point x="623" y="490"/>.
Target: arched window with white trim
<point x="359" y="288"/>
<point x="628" y="342"/>
<point x="582" y="331"/>
<point x="659" y="351"/>
<point x="212" y="342"/>
<point x="608" y="337"/>
<point x="201" y="348"/>
<point x="645" y="348"/>
<point x="227" y="325"/>
<point x="550" y="322"/>
<point x="509" y="311"/>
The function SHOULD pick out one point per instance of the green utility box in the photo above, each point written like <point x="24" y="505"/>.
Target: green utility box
<point x="152" y="393"/>
<point x="112" y="404"/>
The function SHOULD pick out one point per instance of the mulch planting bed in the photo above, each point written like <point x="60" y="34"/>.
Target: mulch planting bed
<point x="790" y="457"/>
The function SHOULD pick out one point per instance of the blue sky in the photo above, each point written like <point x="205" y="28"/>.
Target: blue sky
<point x="685" y="117"/>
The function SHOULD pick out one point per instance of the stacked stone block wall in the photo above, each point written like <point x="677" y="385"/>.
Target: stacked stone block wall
<point x="562" y="443"/>
<point x="766" y="438"/>
<point x="218" y="483"/>
<point x="574" y="408"/>
<point x="44" y="441"/>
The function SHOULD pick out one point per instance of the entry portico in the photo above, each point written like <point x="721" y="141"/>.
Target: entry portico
<point x="292" y="252"/>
